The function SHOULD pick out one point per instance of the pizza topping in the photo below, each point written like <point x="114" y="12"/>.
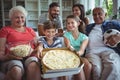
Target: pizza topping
<point x="61" y="59"/>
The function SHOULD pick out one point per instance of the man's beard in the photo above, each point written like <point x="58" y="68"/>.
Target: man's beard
<point x="54" y="16"/>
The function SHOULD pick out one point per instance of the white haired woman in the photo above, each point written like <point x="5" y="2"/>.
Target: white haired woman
<point x="15" y="66"/>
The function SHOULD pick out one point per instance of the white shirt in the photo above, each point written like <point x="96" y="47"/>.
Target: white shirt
<point x="96" y="44"/>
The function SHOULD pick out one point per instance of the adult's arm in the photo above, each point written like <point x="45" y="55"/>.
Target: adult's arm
<point x="42" y="19"/>
<point x="3" y="55"/>
<point x="2" y="49"/>
<point x="40" y="30"/>
<point x="87" y="21"/>
<point x="61" y="23"/>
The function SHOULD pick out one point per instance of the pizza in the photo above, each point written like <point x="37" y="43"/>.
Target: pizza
<point x="60" y="59"/>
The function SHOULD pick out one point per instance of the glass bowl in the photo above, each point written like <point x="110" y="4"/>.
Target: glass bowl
<point x="20" y="49"/>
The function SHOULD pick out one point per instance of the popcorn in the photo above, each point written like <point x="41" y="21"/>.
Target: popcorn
<point x="21" y="50"/>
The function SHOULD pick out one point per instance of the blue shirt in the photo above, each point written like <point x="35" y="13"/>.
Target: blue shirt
<point x="108" y="24"/>
<point x="56" y="44"/>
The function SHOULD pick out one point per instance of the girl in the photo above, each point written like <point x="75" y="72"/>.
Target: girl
<point x="77" y="41"/>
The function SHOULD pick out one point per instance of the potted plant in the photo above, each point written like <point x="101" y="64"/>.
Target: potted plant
<point x="88" y="12"/>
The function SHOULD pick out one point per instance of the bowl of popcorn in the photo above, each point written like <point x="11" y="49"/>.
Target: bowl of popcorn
<point x="20" y="49"/>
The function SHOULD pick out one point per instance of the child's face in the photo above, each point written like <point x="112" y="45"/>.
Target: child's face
<point x="50" y="33"/>
<point x="71" y="24"/>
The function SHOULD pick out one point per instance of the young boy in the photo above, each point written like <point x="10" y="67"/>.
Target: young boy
<point x="77" y="41"/>
<point x="50" y="40"/>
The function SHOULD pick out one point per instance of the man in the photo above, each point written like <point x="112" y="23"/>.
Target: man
<point x="105" y="61"/>
<point x="52" y="15"/>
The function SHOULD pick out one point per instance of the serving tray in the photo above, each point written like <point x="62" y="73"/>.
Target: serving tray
<point x="47" y="73"/>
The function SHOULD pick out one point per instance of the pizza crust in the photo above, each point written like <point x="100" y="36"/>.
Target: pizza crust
<point x="60" y="59"/>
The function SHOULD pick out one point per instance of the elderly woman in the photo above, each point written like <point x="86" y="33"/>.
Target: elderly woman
<point x="15" y="66"/>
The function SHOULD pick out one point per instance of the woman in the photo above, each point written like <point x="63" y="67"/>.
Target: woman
<point x="12" y="65"/>
<point x="78" y="10"/>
